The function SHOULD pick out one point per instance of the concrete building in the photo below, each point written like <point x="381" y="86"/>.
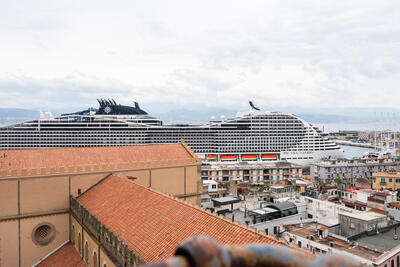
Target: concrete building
<point x="269" y="217"/>
<point x="35" y="187"/>
<point x="370" y="249"/>
<point x="352" y="224"/>
<point x="271" y="172"/>
<point x="379" y="200"/>
<point x="349" y="170"/>
<point x="393" y="210"/>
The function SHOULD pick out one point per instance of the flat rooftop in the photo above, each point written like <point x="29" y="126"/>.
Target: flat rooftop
<point x="225" y="200"/>
<point x="263" y="211"/>
<point x="381" y="242"/>
<point x="310" y="229"/>
<point x="365" y="216"/>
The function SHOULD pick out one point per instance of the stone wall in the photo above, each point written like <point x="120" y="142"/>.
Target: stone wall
<point x="115" y="248"/>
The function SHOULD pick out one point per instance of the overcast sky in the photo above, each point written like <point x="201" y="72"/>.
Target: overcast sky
<point x="192" y="54"/>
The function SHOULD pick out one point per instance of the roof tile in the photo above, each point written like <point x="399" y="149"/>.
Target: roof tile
<point x="66" y="256"/>
<point x="84" y="156"/>
<point x="154" y="224"/>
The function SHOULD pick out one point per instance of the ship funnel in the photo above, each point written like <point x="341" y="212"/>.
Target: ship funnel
<point x="253" y="106"/>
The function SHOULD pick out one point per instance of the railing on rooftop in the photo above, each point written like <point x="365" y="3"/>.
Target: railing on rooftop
<point x="204" y="252"/>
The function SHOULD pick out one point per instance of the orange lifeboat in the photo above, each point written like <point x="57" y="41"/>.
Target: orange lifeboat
<point x="228" y="157"/>
<point x="268" y="157"/>
<point x="249" y="157"/>
<point x="211" y="156"/>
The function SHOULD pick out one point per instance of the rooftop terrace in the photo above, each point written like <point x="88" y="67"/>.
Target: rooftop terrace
<point x="309" y="229"/>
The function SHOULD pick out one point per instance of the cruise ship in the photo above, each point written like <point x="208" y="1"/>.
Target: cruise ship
<point x="252" y="136"/>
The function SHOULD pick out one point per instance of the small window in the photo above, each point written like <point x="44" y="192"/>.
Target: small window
<point x="80" y="244"/>
<point x="95" y="259"/>
<point x="73" y="235"/>
<point x="79" y="191"/>
<point x="87" y="252"/>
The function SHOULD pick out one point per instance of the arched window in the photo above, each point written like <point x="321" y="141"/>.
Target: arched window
<point x="105" y="265"/>
<point x="87" y="252"/>
<point x="73" y="235"/>
<point x="80" y="244"/>
<point x="95" y="259"/>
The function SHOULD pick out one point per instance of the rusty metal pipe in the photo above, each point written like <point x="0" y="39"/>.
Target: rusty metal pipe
<point x="206" y="252"/>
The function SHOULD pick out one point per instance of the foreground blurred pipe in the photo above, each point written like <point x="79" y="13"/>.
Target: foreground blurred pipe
<point x="205" y="252"/>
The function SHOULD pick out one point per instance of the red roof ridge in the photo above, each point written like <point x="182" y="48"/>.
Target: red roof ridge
<point x="221" y="217"/>
<point x="50" y="161"/>
<point x="189" y="150"/>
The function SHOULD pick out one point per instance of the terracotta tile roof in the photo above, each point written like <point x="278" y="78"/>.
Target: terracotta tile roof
<point x="81" y="156"/>
<point x="66" y="256"/>
<point x="395" y="204"/>
<point x="381" y="194"/>
<point x="378" y="211"/>
<point x="154" y="224"/>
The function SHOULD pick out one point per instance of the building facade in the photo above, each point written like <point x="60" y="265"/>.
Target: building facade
<point x="251" y="172"/>
<point x="349" y="170"/>
<point x="386" y="180"/>
<point x="35" y="187"/>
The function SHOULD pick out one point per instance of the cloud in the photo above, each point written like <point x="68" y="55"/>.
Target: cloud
<point x="200" y="54"/>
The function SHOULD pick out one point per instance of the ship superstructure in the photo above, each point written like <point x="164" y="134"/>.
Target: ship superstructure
<point x="252" y="136"/>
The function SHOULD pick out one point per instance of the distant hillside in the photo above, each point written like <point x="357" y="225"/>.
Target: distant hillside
<point x="14" y="115"/>
<point x="344" y="117"/>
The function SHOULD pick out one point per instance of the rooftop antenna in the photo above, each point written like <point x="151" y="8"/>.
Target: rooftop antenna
<point x="253" y="106"/>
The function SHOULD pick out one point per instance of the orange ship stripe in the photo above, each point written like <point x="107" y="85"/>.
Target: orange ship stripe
<point x="268" y="156"/>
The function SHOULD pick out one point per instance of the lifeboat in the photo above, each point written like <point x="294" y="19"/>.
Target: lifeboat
<point x="228" y="157"/>
<point x="211" y="156"/>
<point x="249" y="157"/>
<point x="269" y="157"/>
